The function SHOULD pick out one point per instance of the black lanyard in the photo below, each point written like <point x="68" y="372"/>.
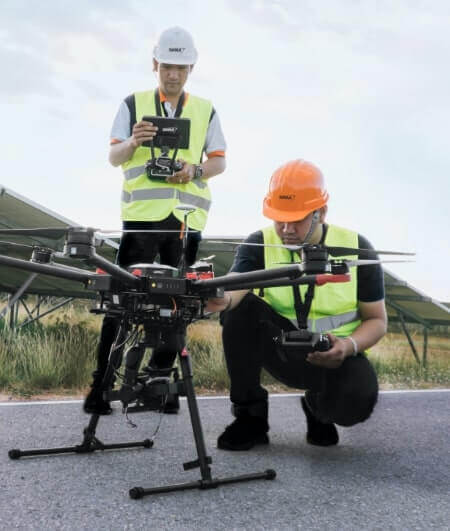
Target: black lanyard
<point x="178" y="110"/>
<point x="302" y="308"/>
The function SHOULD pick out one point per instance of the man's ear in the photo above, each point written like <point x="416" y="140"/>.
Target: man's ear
<point x="322" y="213"/>
<point x="155" y="65"/>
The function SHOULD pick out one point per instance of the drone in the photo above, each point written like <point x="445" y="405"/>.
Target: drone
<point x="148" y="299"/>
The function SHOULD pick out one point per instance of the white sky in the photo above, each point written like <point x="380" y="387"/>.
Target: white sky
<point x="360" y="88"/>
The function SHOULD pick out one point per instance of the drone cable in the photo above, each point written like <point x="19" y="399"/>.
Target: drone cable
<point x="174" y="305"/>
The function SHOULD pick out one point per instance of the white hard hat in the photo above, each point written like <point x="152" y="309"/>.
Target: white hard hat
<point x="175" y="47"/>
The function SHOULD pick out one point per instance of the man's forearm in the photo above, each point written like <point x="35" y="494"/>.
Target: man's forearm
<point x="213" y="166"/>
<point x="368" y="333"/>
<point x="121" y="152"/>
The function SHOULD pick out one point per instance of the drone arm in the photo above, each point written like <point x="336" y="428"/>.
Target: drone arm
<point x="46" y="269"/>
<point x="318" y="280"/>
<point x="244" y="279"/>
<point x="114" y="270"/>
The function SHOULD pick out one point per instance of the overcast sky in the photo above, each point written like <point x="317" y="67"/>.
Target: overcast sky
<point x="360" y="88"/>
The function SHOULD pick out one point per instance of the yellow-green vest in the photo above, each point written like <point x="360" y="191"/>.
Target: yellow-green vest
<point x="334" y="307"/>
<point x="153" y="200"/>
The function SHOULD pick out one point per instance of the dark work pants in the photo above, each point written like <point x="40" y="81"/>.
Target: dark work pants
<point x="144" y="247"/>
<point x="345" y="396"/>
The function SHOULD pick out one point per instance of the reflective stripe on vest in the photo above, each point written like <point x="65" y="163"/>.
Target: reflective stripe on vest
<point x="335" y="306"/>
<point x="325" y="324"/>
<point x="166" y="193"/>
<point x="153" y="200"/>
<point x="132" y="173"/>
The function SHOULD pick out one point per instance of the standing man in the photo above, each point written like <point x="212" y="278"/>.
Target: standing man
<point x="341" y="385"/>
<point x="150" y="204"/>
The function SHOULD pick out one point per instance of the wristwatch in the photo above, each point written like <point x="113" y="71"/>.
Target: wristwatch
<point x="198" y="171"/>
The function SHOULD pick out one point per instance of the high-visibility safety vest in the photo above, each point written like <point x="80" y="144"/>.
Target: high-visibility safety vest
<point x="153" y="200"/>
<point x="334" y="306"/>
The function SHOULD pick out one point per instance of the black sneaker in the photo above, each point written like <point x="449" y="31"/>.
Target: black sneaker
<point x="94" y="403"/>
<point x="244" y="433"/>
<point x="318" y="433"/>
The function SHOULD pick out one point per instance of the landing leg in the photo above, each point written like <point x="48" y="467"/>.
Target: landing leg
<point x="203" y="461"/>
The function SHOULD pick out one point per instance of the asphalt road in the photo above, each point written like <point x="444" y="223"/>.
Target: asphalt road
<point x="392" y="472"/>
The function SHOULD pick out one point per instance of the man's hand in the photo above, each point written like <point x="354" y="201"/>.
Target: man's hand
<point x="230" y="300"/>
<point x="142" y="132"/>
<point x="332" y="358"/>
<point x="218" y="304"/>
<point x="183" y="176"/>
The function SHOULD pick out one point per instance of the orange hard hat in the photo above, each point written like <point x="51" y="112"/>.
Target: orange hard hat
<point x="296" y="189"/>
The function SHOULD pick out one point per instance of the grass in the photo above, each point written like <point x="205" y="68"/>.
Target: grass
<point x="58" y="356"/>
<point x="397" y="368"/>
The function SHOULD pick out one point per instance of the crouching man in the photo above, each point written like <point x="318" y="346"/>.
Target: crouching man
<point x="341" y="384"/>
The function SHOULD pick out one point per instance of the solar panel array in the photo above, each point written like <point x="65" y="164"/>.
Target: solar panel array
<point x="19" y="212"/>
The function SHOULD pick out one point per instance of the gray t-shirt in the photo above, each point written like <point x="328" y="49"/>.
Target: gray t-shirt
<point x="214" y="144"/>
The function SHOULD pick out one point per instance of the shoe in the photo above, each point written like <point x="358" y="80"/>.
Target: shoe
<point x="318" y="433"/>
<point x="244" y="433"/>
<point x="94" y="403"/>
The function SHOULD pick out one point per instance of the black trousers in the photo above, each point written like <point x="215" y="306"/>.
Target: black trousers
<point x="144" y="247"/>
<point x="345" y="396"/>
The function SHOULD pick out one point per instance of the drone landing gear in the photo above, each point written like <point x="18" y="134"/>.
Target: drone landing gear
<point x="203" y="461"/>
<point x="90" y="444"/>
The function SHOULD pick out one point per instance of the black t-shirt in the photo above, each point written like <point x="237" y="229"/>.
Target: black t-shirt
<point x="370" y="277"/>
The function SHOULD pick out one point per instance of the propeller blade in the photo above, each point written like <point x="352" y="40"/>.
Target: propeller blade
<point x="253" y="244"/>
<point x="352" y="263"/>
<point x="333" y="251"/>
<point x="5" y="246"/>
<point x="342" y="251"/>
<point x="114" y="234"/>
<point x="52" y="233"/>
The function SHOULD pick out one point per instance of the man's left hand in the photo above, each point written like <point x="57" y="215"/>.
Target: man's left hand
<point x="332" y="358"/>
<point x="183" y="176"/>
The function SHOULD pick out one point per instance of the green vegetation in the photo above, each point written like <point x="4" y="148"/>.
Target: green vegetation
<point x="59" y="355"/>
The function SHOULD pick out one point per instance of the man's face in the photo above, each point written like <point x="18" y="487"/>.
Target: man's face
<point x="294" y="232"/>
<point x="171" y="78"/>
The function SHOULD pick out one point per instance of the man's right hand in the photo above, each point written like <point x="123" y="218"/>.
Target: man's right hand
<point x="143" y="131"/>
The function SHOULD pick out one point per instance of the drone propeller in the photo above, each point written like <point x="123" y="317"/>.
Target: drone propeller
<point x="108" y="234"/>
<point x="6" y="246"/>
<point x="332" y="250"/>
<point x="352" y="263"/>
<point x="52" y="233"/>
<point x="356" y="263"/>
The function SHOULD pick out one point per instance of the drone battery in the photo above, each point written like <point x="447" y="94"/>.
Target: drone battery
<point x="153" y="271"/>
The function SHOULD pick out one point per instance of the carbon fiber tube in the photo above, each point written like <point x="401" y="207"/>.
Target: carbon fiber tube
<point x="45" y="269"/>
<point x="287" y="272"/>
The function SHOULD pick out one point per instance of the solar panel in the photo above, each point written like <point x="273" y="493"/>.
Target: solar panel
<point x="16" y="212"/>
<point x="19" y="212"/>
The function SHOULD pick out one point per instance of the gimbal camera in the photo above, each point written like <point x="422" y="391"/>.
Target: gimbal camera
<point x="148" y="301"/>
<point x="173" y="133"/>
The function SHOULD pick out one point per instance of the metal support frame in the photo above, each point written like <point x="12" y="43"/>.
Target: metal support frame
<point x="425" y="346"/>
<point x="12" y="307"/>
<point x="408" y="335"/>
<point x="401" y="312"/>
<point x="40" y="315"/>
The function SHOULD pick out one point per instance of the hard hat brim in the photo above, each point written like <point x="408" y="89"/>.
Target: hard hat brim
<point x="283" y="216"/>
